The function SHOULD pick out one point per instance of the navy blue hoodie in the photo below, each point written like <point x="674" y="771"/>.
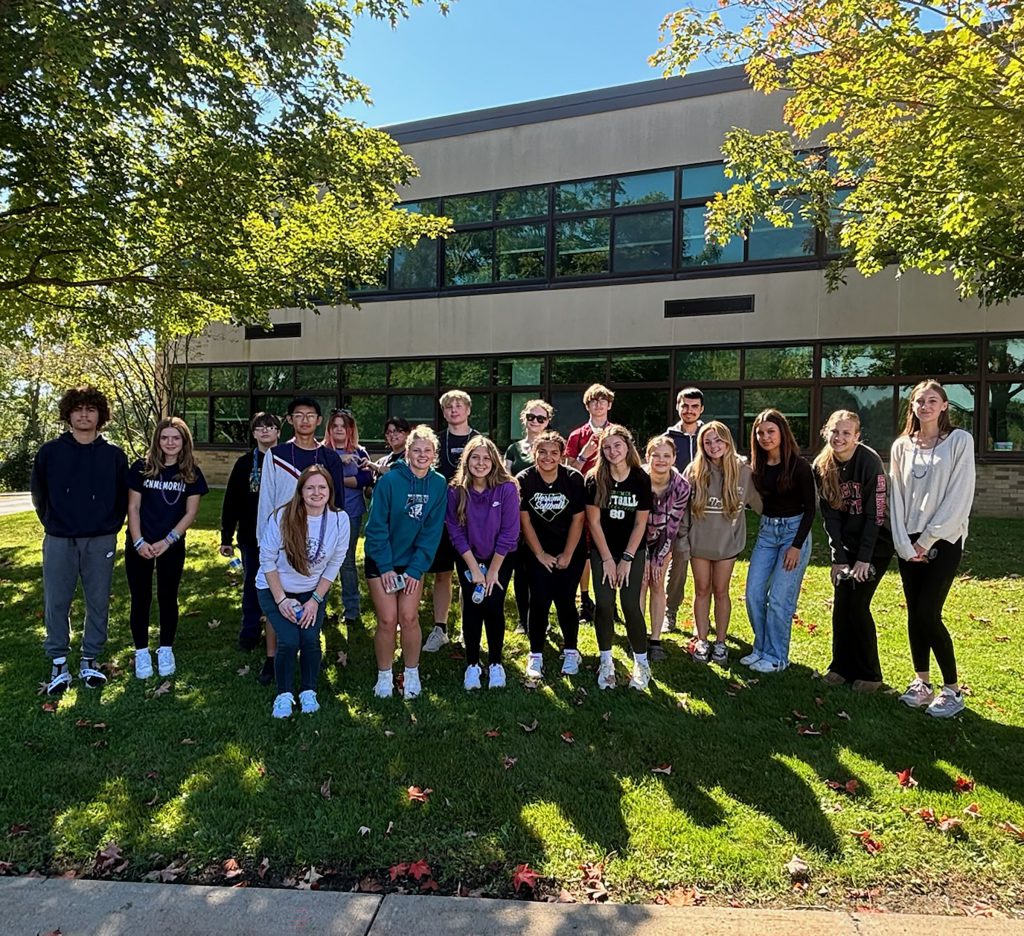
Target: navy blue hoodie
<point x="80" y="490"/>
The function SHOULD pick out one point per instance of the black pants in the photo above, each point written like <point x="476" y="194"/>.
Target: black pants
<point x="521" y="581"/>
<point x="926" y="585"/>
<point x="854" y="638"/>
<point x="489" y="614"/>
<point x="629" y="601"/>
<point x="558" y="586"/>
<point x="168" y="567"/>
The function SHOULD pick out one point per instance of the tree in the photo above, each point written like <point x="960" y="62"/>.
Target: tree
<point x="918" y="110"/>
<point x="164" y="165"/>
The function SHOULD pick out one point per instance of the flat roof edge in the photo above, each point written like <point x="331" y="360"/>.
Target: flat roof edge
<point x="581" y="104"/>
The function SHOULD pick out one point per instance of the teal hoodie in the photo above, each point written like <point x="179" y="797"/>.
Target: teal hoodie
<point x="406" y="519"/>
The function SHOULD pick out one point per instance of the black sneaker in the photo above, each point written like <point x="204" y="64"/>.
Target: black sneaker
<point x="91" y="674"/>
<point x="656" y="652"/>
<point x="266" y="676"/>
<point x="60" y="679"/>
<point x="586" y="608"/>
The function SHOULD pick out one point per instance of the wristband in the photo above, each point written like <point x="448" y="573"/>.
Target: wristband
<point x="141" y="541"/>
<point x="317" y="598"/>
<point x="173" y="537"/>
<point x="608" y="559"/>
<point x="282" y="601"/>
<point x="628" y="557"/>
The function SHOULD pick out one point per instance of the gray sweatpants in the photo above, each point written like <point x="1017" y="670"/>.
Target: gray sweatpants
<point x="65" y="561"/>
<point x="676" y="583"/>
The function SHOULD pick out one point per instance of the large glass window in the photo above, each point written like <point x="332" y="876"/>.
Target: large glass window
<point x="705" y="181"/>
<point x="519" y="372"/>
<point x="229" y="378"/>
<point x="649" y="188"/>
<point x="938" y="358"/>
<point x="415" y="267"/>
<point x="858" y="360"/>
<point x="639" y="368"/>
<point x="696" y="367"/>
<point x="695" y="250"/>
<point x="417" y="408"/>
<point x="272" y="377"/>
<point x="370" y="412"/>
<point x="1006" y="355"/>
<point x="795" y="363"/>
<point x="364" y="376"/>
<point x="465" y="372"/>
<point x="876" y="407"/>
<point x="579" y="369"/>
<point x="197" y="379"/>
<point x="468" y="209"/>
<point x="643" y="242"/>
<point x="1006" y="417"/>
<point x="645" y="412"/>
<point x="768" y="242"/>
<point x="724" y="405"/>
<point x="411" y="374"/>
<point x="469" y="258"/>
<point x="522" y="251"/>
<point x="793" y="402"/>
<point x="196" y="413"/>
<point x="522" y="203"/>
<point x="592" y="195"/>
<point x="581" y="247"/>
<point x="231" y="420"/>
<point x="507" y="425"/>
<point x="316" y="376"/>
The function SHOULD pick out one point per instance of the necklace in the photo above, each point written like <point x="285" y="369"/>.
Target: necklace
<point x="177" y="494"/>
<point x="318" y="552"/>
<point x="448" y="446"/>
<point x="254" y="475"/>
<point x="925" y="465"/>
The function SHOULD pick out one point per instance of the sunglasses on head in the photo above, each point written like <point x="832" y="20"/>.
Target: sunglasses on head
<point x="533" y="417"/>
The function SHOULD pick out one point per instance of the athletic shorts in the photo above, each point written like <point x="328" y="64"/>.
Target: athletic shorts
<point x="444" y="558"/>
<point x="372" y="572"/>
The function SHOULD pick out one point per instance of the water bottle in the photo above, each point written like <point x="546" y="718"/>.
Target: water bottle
<point x="846" y="575"/>
<point x="235" y="565"/>
<point x="479" y="592"/>
<point x="296" y="608"/>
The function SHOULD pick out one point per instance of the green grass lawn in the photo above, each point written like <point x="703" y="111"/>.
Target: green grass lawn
<point x="201" y="774"/>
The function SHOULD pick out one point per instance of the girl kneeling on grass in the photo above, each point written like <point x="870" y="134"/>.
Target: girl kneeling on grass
<point x="721" y="484"/>
<point x="618" y="503"/>
<point x="163" y="502"/>
<point x="552" y="513"/>
<point x="483" y="523"/>
<point x="402" y="533"/>
<point x="852" y="483"/>
<point x="301" y="552"/>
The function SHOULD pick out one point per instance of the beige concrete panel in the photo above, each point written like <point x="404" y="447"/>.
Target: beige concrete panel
<point x="864" y="307"/>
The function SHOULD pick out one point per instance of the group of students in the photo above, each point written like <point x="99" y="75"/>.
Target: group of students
<point x="557" y="514"/>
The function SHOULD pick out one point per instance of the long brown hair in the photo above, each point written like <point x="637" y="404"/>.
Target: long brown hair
<point x="294" y="521"/>
<point x="154" y="462"/>
<point x="602" y="471"/>
<point x="463" y="479"/>
<point x="789" y="451"/>
<point x="825" y="462"/>
<point x="700" y="473"/>
<point x="913" y="424"/>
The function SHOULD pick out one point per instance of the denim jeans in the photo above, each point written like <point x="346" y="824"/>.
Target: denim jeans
<point x="251" y="611"/>
<point x="772" y="592"/>
<point x="290" y="640"/>
<point x="349" y="572"/>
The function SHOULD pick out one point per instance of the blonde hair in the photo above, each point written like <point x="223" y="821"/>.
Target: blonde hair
<point x="657" y="440"/>
<point x="530" y="404"/>
<point x="825" y="462"/>
<point x="450" y="396"/>
<point x="602" y="471"/>
<point x="421" y="432"/>
<point x="154" y="463"/>
<point x="498" y="474"/>
<point x="294" y="525"/>
<point x="700" y="473"/>
<point x="597" y="390"/>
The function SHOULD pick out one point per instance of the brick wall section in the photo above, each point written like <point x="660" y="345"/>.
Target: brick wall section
<point x="1000" y="488"/>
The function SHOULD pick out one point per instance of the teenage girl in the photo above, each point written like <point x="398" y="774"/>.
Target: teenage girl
<point x="931" y="473"/>
<point x="783" y="545"/>
<point x="164" y="490"/>
<point x="483" y="523"/>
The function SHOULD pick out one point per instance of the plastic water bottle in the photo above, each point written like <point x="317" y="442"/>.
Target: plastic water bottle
<point x="296" y="608"/>
<point x="235" y="565"/>
<point x="480" y="591"/>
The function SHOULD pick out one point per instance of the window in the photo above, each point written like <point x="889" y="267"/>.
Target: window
<point x="316" y="377"/>
<point x="876" y="407"/>
<point x="768" y="242"/>
<point x="410" y="374"/>
<point x="522" y="252"/>
<point x="229" y="378"/>
<point x="793" y="402"/>
<point x="858" y="360"/>
<point x="231" y="420"/>
<point x="522" y="203"/>
<point x="649" y="188"/>
<point x="938" y="358"/>
<point x="520" y="372"/>
<point x="197" y="379"/>
<point x="364" y="376"/>
<point x="705" y="181"/>
<point x="723" y="405"/>
<point x="697" y="367"/>
<point x="469" y="258"/>
<point x="695" y="250"/>
<point x="645" y="412"/>
<point x="1005" y="417"/>
<point x="272" y="377"/>
<point x="579" y="369"/>
<point x="463" y="372"/>
<point x="592" y="195"/>
<point x="469" y="209"/>
<point x="796" y="363"/>
<point x="643" y="242"/>
<point x="581" y="247"/>
<point x="196" y="412"/>
<point x="639" y="368"/>
<point x="1006" y="355"/>
<point x="370" y="413"/>
<point x="508" y="428"/>
<point x="415" y="267"/>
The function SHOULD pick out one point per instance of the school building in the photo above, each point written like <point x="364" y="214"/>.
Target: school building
<point x="579" y="256"/>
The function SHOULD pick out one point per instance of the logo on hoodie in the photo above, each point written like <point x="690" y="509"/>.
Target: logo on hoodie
<point x="415" y="504"/>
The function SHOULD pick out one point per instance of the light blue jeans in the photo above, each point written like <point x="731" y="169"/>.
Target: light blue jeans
<point x="772" y="592"/>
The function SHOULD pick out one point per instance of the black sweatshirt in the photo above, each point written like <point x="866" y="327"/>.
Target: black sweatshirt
<point x="80" y="490"/>
<point x="859" y="529"/>
<point x="241" y="504"/>
<point x="799" y="499"/>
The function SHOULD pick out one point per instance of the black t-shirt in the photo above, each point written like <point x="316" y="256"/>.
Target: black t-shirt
<point x="552" y="506"/>
<point x="164" y="499"/>
<point x="450" y="451"/>
<point x="624" y="499"/>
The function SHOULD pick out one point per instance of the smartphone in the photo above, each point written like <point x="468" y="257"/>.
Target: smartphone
<point x="398" y="586"/>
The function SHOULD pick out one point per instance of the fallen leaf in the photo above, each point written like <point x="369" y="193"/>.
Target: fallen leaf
<point x="528" y="728"/>
<point x="311" y="880"/>
<point x="263" y="868"/>
<point x="871" y="845"/>
<point x="798" y="715"/>
<point x="342" y="659"/>
<point x="906" y="778"/>
<point x="416" y="795"/>
<point x="162" y="689"/>
<point x="108" y="857"/>
<point x="154" y="800"/>
<point x="213" y="624"/>
<point x="524" y="876"/>
<point x="492" y="733"/>
<point x="231" y="869"/>
<point x="568" y="738"/>
<point x="1002" y="638"/>
<point x="152" y="774"/>
<point x="808" y="730"/>
<point x="665" y="769"/>
<point x="1014" y="830"/>
<point x="419" y="870"/>
<point x="187" y="741"/>
<point x="949" y="824"/>
<point x="18" y="829"/>
<point x="470" y="834"/>
<point x="325" y="788"/>
<point x="389" y="734"/>
<point x="798" y="869"/>
<point x="964" y="784"/>
<point x="565" y="897"/>
<point x="457" y="655"/>
<point x="364" y="830"/>
<point x="818" y="700"/>
<point x="680" y="897"/>
<point x="508" y="762"/>
<point x="368" y="884"/>
<point x="844" y="716"/>
<point x="683" y="702"/>
<point x="243" y="670"/>
<point x="399" y="870"/>
<point x="593" y="881"/>
<point x="167" y="875"/>
<point x="428" y="885"/>
<point x="389" y="829"/>
<point x="850" y="786"/>
<point x="973" y="810"/>
<point x="927" y="816"/>
<point x="49" y="707"/>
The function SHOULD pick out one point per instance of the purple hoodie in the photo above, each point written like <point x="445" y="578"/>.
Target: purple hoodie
<point x="492" y="521"/>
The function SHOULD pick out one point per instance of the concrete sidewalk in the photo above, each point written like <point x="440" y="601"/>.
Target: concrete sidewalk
<point x="31" y="906"/>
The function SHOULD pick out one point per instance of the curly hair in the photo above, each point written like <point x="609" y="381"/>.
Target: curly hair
<point x="84" y="396"/>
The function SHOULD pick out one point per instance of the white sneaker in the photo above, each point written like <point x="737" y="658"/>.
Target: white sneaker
<point x="385" y="685"/>
<point x="496" y="676"/>
<point x="918" y="694"/>
<point x="606" y="676"/>
<point x="283" y="705"/>
<point x="308" y="703"/>
<point x="571" y="663"/>
<point x="435" y="641"/>
<point x="641" y="675"/>
<point x="750" y="659"/>
<point x="535" y="666"/>
<point x="472" y="680"/>
<point x="411" y="686"/>
<point x="165" y="661"/>
<point x="764" y="665"/>
<point x="143" y="664"/>
<point x="947" y="703"/>
<point x="702" y="651"/>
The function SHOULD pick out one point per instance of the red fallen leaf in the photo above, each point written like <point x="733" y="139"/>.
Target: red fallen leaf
<point x="456" y="655"/>
<point x="416" y="795"/>
<point x="949" y="824"/>
<point x="18" y="829"/>
<point x="665" y="769"/>
<point x="508" y="762"/>
<point x="231" y="869"/>
<point x="973" y="810"/>
<point x="263" y="868"/>
<point x="530" y="727"/>
<point x="419" y="870"/>
<point x="906" y="778"/>
<point x="492" y="733"/>
<point x="927" y="816"/>
<point x="567" y="737"/>
<point x="368" y="884"/>
<point x="850" y="786"/>
<point x="525" y="876"/>
<point x="871" y="845"/>
<point x="964" y="784"/>
<point x="325" y="788"/>
<point x="428" y="885"/>
<point x="808" y="730"/>
<point x="49" y="707"/>
<point x="399" y="870"/>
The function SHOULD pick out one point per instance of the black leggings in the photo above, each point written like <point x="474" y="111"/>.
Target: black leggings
<point x="169" y="567"/>
<point x="489" y="614"/>
<point x="629" y="600"/>
<point x="521" y="581"/>
<point x="558" y="586"/>
<point x="926" y="585"/>
<point x="854" y="638"/>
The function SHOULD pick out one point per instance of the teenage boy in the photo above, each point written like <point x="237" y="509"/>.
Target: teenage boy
<point x="80" y="492"/>
<point x="456" y="407"/>
<point x="581" y="454"/>
<point x="281" y="469"/>
<point x="241" y="504"/>
<point x="690" y="406"/>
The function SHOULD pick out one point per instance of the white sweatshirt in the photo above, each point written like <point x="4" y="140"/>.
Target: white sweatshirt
<point x="274" y="559"/>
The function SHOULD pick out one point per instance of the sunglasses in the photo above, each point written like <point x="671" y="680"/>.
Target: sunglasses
<point x="533" y="417"/>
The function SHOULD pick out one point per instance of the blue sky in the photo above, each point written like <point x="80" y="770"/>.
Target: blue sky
<point x="491" y="52"/>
